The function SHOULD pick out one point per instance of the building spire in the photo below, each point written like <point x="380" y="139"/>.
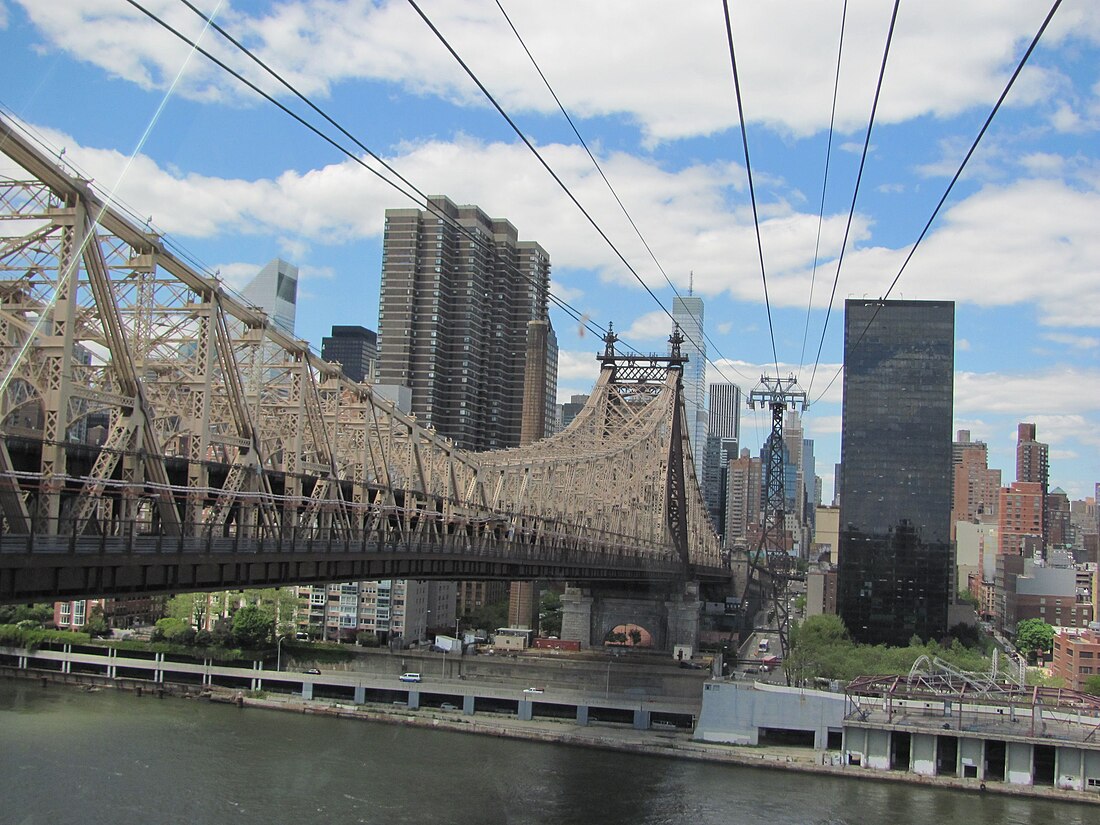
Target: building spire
<point x="691" y="281"/>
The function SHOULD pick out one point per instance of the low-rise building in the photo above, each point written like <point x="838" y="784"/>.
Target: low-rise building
<point x="1076" y="656"/>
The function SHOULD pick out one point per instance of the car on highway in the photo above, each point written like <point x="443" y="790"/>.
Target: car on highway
<point x="314" y="671"/>
<point x="534" y="690"/>
<point x="409" y="677"/>
<point x="447" y="706"/>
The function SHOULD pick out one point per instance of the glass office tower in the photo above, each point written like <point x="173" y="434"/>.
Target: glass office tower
<point x="894" y="577"/>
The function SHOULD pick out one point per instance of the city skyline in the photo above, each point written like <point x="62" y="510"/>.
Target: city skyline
<point x="236" y="183"/>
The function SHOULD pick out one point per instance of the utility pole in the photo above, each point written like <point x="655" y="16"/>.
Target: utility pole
<point x="771" y="563"/>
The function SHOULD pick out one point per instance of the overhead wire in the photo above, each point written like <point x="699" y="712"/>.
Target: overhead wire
<point x="824" y="186"/>
<point x="534" y="150"/>
<point x="615" y="195"/>
<point x="955" y="178"/>
<point x="855" y="189"/>
<point x="752" y="188"/>
<point x="87" y="238"/>
<point x="564" y="305"/>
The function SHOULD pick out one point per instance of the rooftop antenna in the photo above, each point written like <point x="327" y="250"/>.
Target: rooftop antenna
<point x="691" y="282"/>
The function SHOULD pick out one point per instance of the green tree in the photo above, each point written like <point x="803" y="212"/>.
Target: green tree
<point x="1092" y="685"/>
<point x="97" y="626"/>
<point x="281" y="602"/>
<point x="189" y="607"/>
<point x="1034" y="637"/>
<point x="969" y="598"/>
<point x="177" y="631"/>
<point x="254" y="625"/>
<point x="40" y="614"/>
<point x="488" y="617"/>
<point x="550" y="613"/>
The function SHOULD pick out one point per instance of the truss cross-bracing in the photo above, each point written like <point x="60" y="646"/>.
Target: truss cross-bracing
<point x="139" y="398"/>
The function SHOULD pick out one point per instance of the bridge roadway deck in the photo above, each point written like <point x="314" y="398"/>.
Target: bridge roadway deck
<point x="37" y="568"/>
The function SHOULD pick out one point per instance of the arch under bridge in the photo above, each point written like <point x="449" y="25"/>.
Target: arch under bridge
<point x="159" y="435"/>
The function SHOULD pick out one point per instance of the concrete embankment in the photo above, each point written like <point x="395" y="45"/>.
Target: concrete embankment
<point x="676" y="744"/>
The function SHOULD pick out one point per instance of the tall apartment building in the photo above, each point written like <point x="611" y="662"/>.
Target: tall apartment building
<point x="975" y="488"/>
<point x="723" y="434"/>
<point x="355" y="348"/>
<point x="1058" y="516"/>
<point x="453" y="320"/>
<point x="895" y="568"/>
<point x="1033" y="465"/>
<point x="1020" y="518"/>
<point x="742" y="499"/>
<point x="687" y="314"/>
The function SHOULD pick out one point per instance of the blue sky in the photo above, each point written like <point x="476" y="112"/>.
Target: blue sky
<point x="236" y="182"/>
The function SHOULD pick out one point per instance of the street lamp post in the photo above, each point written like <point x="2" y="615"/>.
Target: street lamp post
<point x="279" y="653"/>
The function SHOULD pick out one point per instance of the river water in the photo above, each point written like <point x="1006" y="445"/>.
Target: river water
<point x="112" y="757"/>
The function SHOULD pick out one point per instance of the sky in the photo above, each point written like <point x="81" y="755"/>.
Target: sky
<point x="235" y="181"/>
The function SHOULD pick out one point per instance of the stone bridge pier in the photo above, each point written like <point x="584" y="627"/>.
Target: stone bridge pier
<point x="668" y="615"/>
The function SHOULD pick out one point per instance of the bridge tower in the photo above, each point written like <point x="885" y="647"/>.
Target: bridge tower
<point x="631" y="383"/>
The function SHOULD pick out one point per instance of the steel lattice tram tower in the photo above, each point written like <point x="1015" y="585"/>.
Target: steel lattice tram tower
<point x="771" y="557"/>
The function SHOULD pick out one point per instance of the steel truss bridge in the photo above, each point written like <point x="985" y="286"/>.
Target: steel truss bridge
<point x="158" y="435"/>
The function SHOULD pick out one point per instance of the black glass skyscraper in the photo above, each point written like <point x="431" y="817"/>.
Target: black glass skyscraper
<point x="895" y="570"/>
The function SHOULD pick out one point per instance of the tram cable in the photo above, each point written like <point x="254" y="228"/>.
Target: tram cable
<point x="954" y="179"/>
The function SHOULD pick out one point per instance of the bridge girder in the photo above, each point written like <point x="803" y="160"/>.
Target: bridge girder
<point x="217" y="423"/>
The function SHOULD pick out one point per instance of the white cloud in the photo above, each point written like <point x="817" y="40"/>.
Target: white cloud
<point x="823" y="425"/>
<point x="653" y="326"/>
<point x="1005" y="238"/>
<point x="1043" y="163"/>
<point x="1065" y="391"/>
<point x="1083" y="342"/>
<point x="937" y="67"/>
<point x="577" y="369"/>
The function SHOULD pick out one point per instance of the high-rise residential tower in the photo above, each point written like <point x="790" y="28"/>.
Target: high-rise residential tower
<point x="895" y="572"/>
<point x="975" y="487"/>
<point x="453" y="320"/>
<point x="723" y="433"/>
<point x="1033" y="465"/>
<point x="354" y="348"/>
<point x="687" y="313"/>
<point x="743" y="479"/>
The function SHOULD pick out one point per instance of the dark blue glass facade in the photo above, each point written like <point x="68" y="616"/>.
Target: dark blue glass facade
<point x="895" y="570"/>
